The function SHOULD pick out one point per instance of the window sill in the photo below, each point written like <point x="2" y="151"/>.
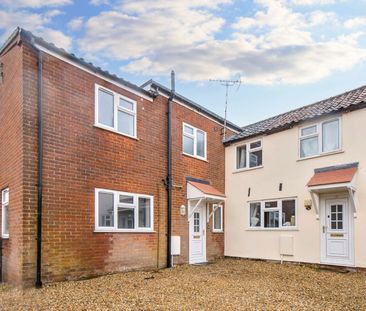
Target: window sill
<point x="5" y="236"/>
<point x="106" y="128"/>
<point x="273" y="229"/>
<point x="217" y="231"/>
<point x="194" y="157"/>
<point x="247" y="169"/>
<point x="122" y="231"/>
<point x="321" y="155"/>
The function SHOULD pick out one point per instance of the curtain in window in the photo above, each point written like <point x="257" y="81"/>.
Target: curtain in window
<point x="330" y="136"/>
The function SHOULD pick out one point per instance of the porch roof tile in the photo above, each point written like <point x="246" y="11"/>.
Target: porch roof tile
<point x="207" y="189"/>
<point x="333" y="175"/>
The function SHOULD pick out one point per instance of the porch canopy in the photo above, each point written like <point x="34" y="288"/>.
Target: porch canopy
<point x="339" y="178"/>
<point x="199" y="192"/>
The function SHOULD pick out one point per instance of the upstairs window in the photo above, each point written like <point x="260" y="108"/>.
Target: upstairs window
<point x="194" y="142"/>
<point x="320" y="138"/>
<point x="273" y="214"/>
<point x="249" y="155"/>
<point x="5" y="213"/>
<point x="115" y="112"/>
<point x="121" y="211"/>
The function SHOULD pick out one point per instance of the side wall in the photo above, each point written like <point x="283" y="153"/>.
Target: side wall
<point x="282" y="165"/>
<point x="11" y="160"/>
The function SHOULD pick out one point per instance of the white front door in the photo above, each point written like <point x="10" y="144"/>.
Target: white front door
<point x="337" y="233"/>
<point x="197" y="235"/>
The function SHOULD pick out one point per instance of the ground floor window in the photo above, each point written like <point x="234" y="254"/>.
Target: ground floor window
<point x="123" y="211"/>
<point x="217" y="218"/>
<point x="279" y="213"/>
<point x="5" y="213"/>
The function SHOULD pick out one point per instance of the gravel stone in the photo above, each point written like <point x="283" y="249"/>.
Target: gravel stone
<point x="228" y="284"/>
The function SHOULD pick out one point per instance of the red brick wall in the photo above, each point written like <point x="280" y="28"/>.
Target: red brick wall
<point x="11" y="160"/>
<point x="79" y="157"/>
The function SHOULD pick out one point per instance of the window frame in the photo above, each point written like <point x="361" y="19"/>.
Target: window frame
<point x="279" y="209"/>
<point x="116" y="108"/>
<point x="4" y="203"/>
<point x="248" y="151"/>
<point x="116" y="205"/>
<point x="220" y="207"/>
<point x="194" y="137"/>
<point x="319" y="134"/>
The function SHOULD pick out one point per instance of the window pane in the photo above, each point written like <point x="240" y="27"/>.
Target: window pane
<point x="255" y="158"/>
<point x="144" y="213"/>
<point x="105" y="108"/>
<point x="272" y="204"/>
<point x="217" y="218"/>
<point x="126" y="199"/>
<point x="188" y="145"/>
<point x="126" y="123"/>
<point x="241" y="155"/>
<point x="126" y="218"/>
<point x="126" y="104"/>
<point x="271" y="219"/>
<point x="6" y="219"/>
<point x="288" y="213"/>
<point x="200" y="144"/>
<point x="255" y="214"/>
<point x="308" y="130"/>
<point x="188" y="130"/>
<point x="309" y="147"/>
<point x="256" y="144"/>
<point x="106" y="213"/>
<point x="331" y="136"/>
<point x="196" y="222"/>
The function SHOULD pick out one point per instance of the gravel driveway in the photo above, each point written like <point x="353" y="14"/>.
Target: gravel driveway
<point x="228" y="284"/>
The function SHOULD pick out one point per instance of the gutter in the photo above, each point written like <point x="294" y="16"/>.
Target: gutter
<point x="169" y="179"/>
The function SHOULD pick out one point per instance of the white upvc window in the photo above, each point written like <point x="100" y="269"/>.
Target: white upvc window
<point x="115" y="112"/>
<point x="217" y="218"/>
<point x="273" y="214"/>
<point x="123" y="211"/>
<point x="249" y="155"/>
<point x="194" y="142"/>
<point x="5" y="213"/>
<point x="320" y="138"/>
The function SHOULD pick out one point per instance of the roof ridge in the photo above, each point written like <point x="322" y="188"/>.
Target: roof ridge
<point x="306" y="106"/>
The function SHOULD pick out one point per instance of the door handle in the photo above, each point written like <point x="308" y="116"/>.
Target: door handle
<point x="324" y="229"/>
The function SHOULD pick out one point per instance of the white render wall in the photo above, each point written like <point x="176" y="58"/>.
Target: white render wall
<point x="281" y="164"/>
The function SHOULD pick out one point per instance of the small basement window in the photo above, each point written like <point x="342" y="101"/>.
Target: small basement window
<point x="5" y="213"/>
<point x="115" y="112"/>
<point x="273" y="214"/>
<point x="123" y="211"/>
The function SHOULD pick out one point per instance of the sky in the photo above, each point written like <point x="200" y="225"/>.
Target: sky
<point x="286" y="53"/>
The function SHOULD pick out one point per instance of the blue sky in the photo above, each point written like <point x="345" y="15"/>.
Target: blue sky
<point x="288" y="53"/>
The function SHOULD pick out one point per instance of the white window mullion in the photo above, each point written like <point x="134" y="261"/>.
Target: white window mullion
<point x="279" y="204"/>
<point x="116" y="99"/>
<point x="115" y="209"/>
<point x="262" y="214"/>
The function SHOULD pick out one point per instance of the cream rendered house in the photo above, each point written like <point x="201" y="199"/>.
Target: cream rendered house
<point x="296" y="185"/>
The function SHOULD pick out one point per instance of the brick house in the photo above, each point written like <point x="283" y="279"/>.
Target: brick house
<point x="87" y="151"/>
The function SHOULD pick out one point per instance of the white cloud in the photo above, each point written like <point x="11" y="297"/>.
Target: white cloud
<point x="34" y="3"/>
<point x="98" y="2"/>
<point x="313" y="2"/>
<point x="75" y="23"/>
<point x="355" y="22"/>
<point x="276" y="44"/>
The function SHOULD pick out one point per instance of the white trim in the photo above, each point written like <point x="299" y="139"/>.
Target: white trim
<point x="117" y="108"/>
<point x="4" y="204"/>
<point x="247" y="156"/>
<point x="116" y="204"/>
<point x="319" y="135"/>
<point x="126" y="88"/>
<point x="200" y="113"/>
<point x="217" y="207"/>
<point x="274" y="209"/>
<point x="194" y="137"/>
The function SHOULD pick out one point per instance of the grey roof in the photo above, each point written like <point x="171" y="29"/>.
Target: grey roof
<point x="33" y="40"/>
<point x="336" y="167"/>
<point x="156" y="86"/>
<point x="348" y="101"/>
